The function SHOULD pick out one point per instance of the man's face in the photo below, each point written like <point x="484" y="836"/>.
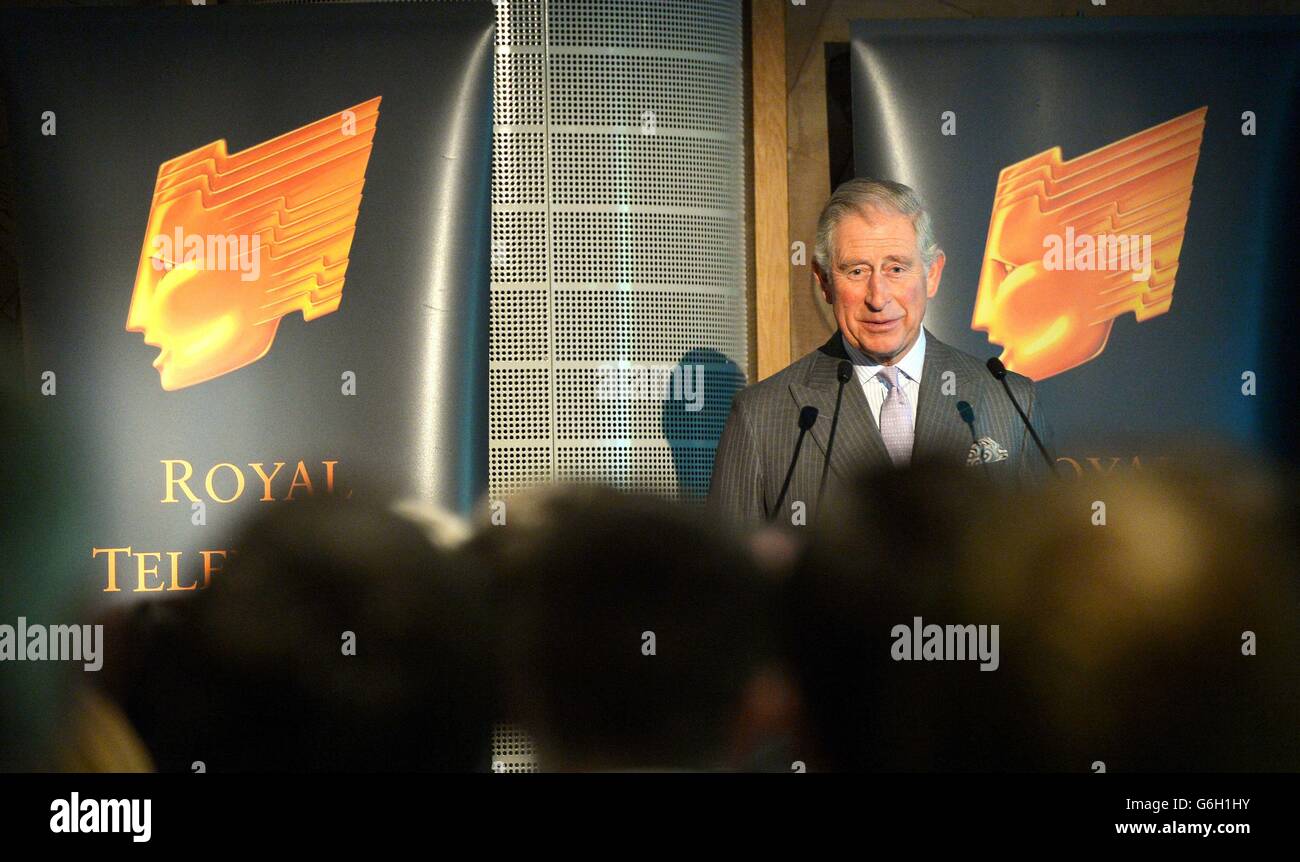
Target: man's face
<point x="877" y="284"/>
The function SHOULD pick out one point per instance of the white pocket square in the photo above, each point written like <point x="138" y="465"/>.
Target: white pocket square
<point x="985" y="450"/>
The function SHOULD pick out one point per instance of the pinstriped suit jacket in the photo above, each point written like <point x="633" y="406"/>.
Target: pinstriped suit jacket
<point x="758" y="441"/>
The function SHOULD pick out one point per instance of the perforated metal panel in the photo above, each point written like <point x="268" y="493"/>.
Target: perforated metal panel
<point x="618" y="245"/>
<point x="512" y="750"/>
<point x="618" y="237"/>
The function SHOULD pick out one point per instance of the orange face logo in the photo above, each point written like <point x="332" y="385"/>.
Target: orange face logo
<point x="235" y="242"/>
<point x="1073" y="245"/>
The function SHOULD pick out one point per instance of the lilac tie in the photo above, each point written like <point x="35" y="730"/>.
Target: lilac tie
<point x="895" y="418"/>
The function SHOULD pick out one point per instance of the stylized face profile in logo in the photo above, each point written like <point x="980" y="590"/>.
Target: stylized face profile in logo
<point x="1073" y="245"/>
<point x="235" y="242"/>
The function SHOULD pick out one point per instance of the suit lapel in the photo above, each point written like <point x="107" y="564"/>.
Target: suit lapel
<point x="857" y="439"/>
<point x="941" y="435"/>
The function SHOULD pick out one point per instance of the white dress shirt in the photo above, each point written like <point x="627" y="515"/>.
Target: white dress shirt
<point x="909" y="377"/>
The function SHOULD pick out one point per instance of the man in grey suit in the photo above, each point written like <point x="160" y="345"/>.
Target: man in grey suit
<point x="910" y="397"/>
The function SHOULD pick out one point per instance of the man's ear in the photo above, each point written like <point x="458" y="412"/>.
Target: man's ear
<point x="824" y="282"/>
<point x="934" y="274"/>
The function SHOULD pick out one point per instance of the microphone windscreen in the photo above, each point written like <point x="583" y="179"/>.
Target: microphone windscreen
<point x="844" y="372"/>
<point x="807" y="418"/>
<point x="995" y="365"/>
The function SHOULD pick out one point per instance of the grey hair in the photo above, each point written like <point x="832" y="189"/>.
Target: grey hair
<point x="858" y="196"/>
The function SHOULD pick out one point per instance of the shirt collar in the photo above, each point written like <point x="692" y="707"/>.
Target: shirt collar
<point x="911" y="363"/>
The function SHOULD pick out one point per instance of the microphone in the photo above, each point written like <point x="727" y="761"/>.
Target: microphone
<point x="807" y="417"/>
<point x="842" y="373"/>
<point x="968" y="416"/>
<point x="1000" y="372"/>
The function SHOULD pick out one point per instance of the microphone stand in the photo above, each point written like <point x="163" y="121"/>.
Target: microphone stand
<point x="844" y="372"/>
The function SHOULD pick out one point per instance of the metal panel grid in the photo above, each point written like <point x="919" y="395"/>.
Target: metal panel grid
<point x="618" y="246"/>
<point x="618" y="237"/>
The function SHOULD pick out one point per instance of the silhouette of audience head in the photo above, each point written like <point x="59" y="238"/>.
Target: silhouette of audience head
<point x="337" y="639"/>
<point x="1145" y="623"/>
<point x="634" y="630"/>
